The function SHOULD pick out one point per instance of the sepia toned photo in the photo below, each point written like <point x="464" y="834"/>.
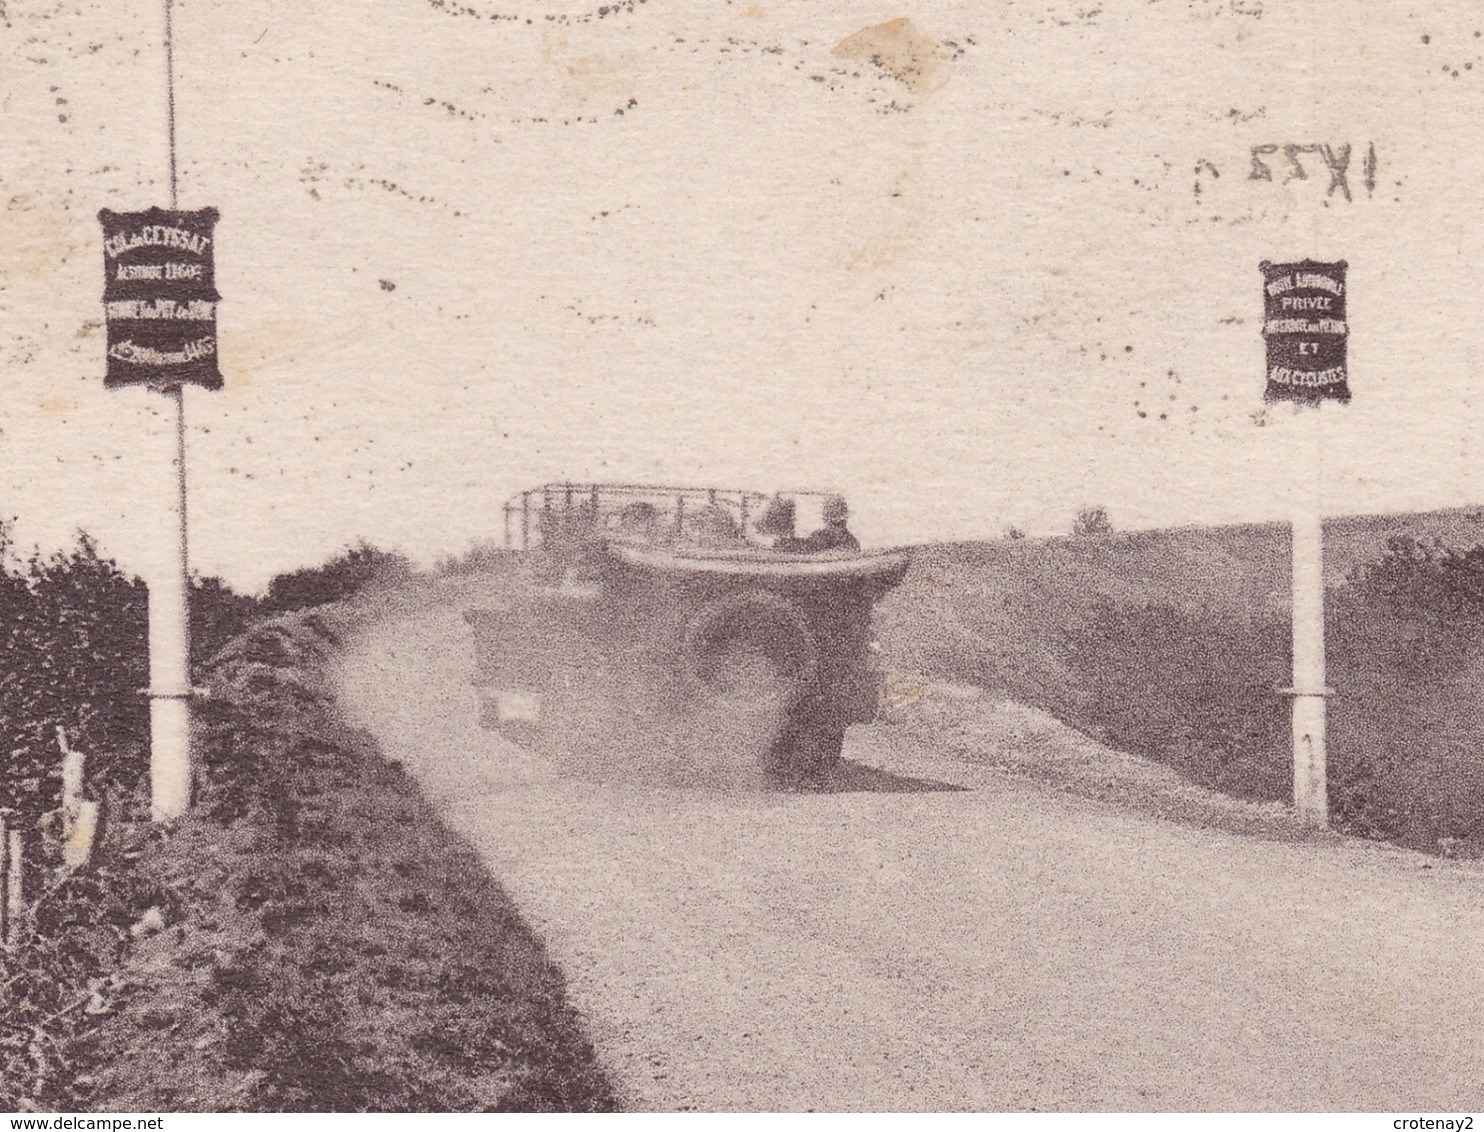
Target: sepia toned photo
<point x="750" y="556"/>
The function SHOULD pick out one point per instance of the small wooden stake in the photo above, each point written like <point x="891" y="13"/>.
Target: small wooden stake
<point x="4" y="904"/>
<point x="14" y="892"/>
<point x="82" y="831"/>
<point x="79" y="816"/>
<point x="72" y="771"/>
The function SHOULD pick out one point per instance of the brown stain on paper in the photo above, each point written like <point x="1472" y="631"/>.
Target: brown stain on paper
<point x="596" y="79"/>
<point x="918" y="61"/>
<point x="56" y="405"/>
<point x="248" y="352"/>
<point x="45" y="236"/>
<point x="890" y="224"/>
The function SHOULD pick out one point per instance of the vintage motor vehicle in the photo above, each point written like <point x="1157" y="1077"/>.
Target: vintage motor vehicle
<point x="638" y="610"/>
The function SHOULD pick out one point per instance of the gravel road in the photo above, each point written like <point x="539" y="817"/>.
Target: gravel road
<point x="936" y="933"/>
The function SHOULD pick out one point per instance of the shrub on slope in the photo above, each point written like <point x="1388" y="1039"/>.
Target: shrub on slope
<point x="1175" y="646"/>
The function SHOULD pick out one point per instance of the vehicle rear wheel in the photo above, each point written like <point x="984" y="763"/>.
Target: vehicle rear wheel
<point x="804" y="753"/>
<point x="829" y="743"/>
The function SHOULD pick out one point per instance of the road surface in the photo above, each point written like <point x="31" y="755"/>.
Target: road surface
<point x="938" y="934"/>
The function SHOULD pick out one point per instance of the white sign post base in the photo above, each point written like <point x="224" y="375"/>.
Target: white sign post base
<point x="170" y="653"/>
<point x="1310" y="792"/>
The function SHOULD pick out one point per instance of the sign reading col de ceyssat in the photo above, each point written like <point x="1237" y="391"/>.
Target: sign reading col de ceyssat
<point x="160" y="297"/>
<point x="1304" y="324"/>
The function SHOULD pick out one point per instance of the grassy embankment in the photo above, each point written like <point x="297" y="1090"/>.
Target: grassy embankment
<point x="309" y="938"/>
<point x="1172" y="645"/>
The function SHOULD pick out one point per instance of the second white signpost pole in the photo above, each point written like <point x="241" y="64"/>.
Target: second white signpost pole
<point x="1310" y="793"/>
<point x="1306" y="331"/>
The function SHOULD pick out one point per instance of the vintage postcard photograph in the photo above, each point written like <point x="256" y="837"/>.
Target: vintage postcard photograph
<point x="741" y="556"/>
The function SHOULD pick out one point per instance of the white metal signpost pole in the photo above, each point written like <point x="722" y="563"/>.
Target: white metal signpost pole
<point x="170" y="653"/>
<point x="169" y="593"/>
<point x="160" y="299"/>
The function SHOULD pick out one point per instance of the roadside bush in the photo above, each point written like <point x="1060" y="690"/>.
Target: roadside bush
<point x="330" y="946"/>
<point x="1199" y="691"/>
<point x="1196" y="684"/>
<point x="335" y="580"/>
<point x="1196" y="690"/>
<point x="1406" y="657"/>
<point x="1426" y="583"/>
<point x="1092" y="521"/>
<point x="218" y="614"/>
<point x="483" y="556"/>
<point x="72" y="655"/>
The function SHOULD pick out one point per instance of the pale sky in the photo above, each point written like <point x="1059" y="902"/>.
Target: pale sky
<point x="691" y="242"/>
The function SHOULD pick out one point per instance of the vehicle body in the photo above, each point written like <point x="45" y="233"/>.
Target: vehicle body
<point x="643" y="611"/>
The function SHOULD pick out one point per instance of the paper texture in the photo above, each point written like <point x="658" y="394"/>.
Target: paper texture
<point x="993" y="271"/>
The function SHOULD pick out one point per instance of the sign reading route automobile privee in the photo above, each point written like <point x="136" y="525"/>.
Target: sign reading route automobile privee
<point x="1304" y="324"/>
<point x="159" y="297"/>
